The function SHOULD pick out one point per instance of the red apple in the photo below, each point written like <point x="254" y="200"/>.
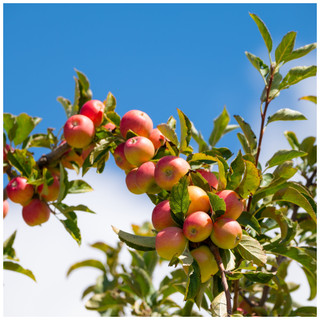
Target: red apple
<point x="52" y="191"/>
<point x="120" y="158"/>
<point x="206" y="262"/>
<point x="69" y="157"/>
<point x="145" y="178"/>
<point x="19" y="191"/>
<point x="161" y="216"/>
<point x="169" y="170"/>
<point x="94" y="110"/>
<point x="109" y="126"/>
<point x="234" y="204"/>
<point x="138" y="150"/>
<point x="199" y="200"/>
<point x="157" y="138"/>
<point x="197" y="226"/>
<point x="170" y="242"/>
<point x="136" y="121"/>
<point x="226" y="233"/>
<point x="79" y="131"/>
<point x="36" y="212"/>
<point x="5" y="208"/>
<point x="131" y="182"/>
<point x="210" y="177"/>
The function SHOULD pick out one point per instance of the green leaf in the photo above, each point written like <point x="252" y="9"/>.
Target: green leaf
<point x="23" y="161"/>
<point x="285" y="170"/>
<point x="87" y="263"/>
<point x="64" y="183"/>
<point x="113" y="117"/>
<point x="179" y="198"/>
<point x="199" y="181"/>
<point x="250" y="181"/>
<point x="136" y="242"/>
<point x="292" y="139"/>
<point x="110" y="102"/>
<point x="246" y="219"/>
<point x="10" y="125"/>
<point x="310" y="98"/>
<point x="67" y="106"/>
<point x="307" y="311"/>
<point x="79" y="186"/>
<point x="237" y="170"/>
<point x="142" y="278"/>
<point x="9" y="265"/>
<point x="217" y="204"/>
<point x="312" y="280"/>
<point x="66" y="209"/>
<point x="104" y="301"/>
<point x="300" y="52"/>
<point x="197" y="136"/>
<point x="258" y="276"/>
<point x="249" y="134"/>
<point x="169" y="133"/>
<point x="193" y="282"/>
<point x="285" y="47"/>
<point x="250" y="249"/>
<point x="219" y="305"/>
<point x="292" y="195"/>
<point x="244" y="143"/>
<point x="219" y="127"/>
<point x="72" y="228"/>
<point x="286" y="115"/>
<point x="275" y="88"/>
<point x="263" y="30"/>
<point x="8" y="250"/>
<point x="258" y="64"/>
<point x="284" y="155"/>
<point x="296" y="75"/>
<point x="185" y="126"/>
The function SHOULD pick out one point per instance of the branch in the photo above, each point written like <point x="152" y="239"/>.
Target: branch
<point x="236" y="295"/>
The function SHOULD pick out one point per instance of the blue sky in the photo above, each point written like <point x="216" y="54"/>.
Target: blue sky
<point x="152" y="57"/>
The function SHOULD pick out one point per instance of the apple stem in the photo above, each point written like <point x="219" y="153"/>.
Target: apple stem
<point x="215" y="250"/>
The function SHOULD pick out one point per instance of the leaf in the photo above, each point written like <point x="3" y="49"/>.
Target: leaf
<point x="179" y="198"/>
<point x="104" y="301"/>
<point x="292" y="139"/>
<point x="8" y="250"/>
<point x="9" y="265"/>
<point x="169" y="133"/>
<point x="238" y="168"/>
<point x="199" y="181"/>
<point x="197" y="136"/>
<point x="219" y="126"/>
<point x="286" y="115"/>
<point x="300" y="52"/>
<point x="142" y="278"/>
<point x="274" y="90"/>
<point x="312" y="280"/>
<point x="67" y="106"/>
<point x="246" y="219"/>
<point x="136" y="242"/>
<point x="23" y="161"/>
<point x="250" y="249"/>
<point x="296" y="75"/>
<point x="10" y="125"/>
<point x="219" y="305"/>
<point x="72" y="228"/>
<point x="258" y="64"/>
<point x="193" y="282"/>
<point x="310" y="98"/>
<point x="258" y="276"/>
<point x="87" y="263"/>
<point x="307" y="311"/>
<point x="110" y="102"/>
<point x="185" y="126"/>
<point x="244" y="143"/>
<point x="79" y="186"/>
<point x="65" y="208"/>
<point x="64" y="183"/>
<point x="249" y="134"/>
<point x="284" y="155"/>
<point x="285" y="170"/>
<point x="263" y="30"/>
<point x="250" y="181"/>
<point x="292" y="195"/>
<point x="285" y="47"/>
<point x="218" y="205"/>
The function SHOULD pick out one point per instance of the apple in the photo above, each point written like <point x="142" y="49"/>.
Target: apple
<point x="206" y="262"/>
<point x="245" y="307"/>
<point x="20" y="191"/>
<point x="157" y="138"/>
<point x="5" y="208"/>
<point x="145" y="178"/>
<point x="210" y="177"/>
<point x="79" y="131"/>
<point x="131" y="182"/>
<point x="199" y="200"/>
<point x="136" y="121"/>
<point x="52" y="192"/>
<point x="226" y="233"/>
<point x="109" y="126"/>
<point x="138" y="150"/>
<point x="85" y="152"/>
<point x="36" y="212"/>
<point x="169" y="170"/>
<point x="69" y="157"/>
<point x="6" y="150"/>
<point x="170" y="242"/>
<point x="234" y="204"/>
<point x="120" y="158"/>
<point x="197" y="226"/>
<point x="161" y="216"/>
<point x="94" y="110"/>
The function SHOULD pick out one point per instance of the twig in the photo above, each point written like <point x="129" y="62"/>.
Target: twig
<point x="235" y="295"/>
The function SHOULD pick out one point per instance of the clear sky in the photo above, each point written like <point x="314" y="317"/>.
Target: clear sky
<point x="152" y="57"/>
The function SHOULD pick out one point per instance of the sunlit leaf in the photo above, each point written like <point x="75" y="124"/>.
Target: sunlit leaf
<point x="285" y="47"/>
<point x="284" y="155"/>
<point x="263" y="30"/>
<point x="169" y="133"/>
<point x="92" y="263"/>
<point x="286" y="115"/>
<point x="300" y="52"/>
<point x="310" y="98"/>
<point x="13" y="266"/>
<point x="219" y="127"/>
<point x="296" y="75"/>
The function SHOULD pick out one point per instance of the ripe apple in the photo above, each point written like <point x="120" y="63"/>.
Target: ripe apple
<point x="145" y="178"/>
<point x="138" y="150"/>
<point x="210" y="177"/>
<point x="19" y="191"/>
<point x="131" y="182"/>
<point x="206" y="261"/>
<point x="169" y="170"/>
<point x="199" y="200"/>
<point x="36" y="212"/>
<point x="69" y="157"/>
<point x="157" y="138"/>
<point x="136" y="121"/>
<point x="120" y="158"/>
<point x="170" y="242"/>
<point x="5" y="208"/>
<point x="226" y="233"/>
<point x="197" y="226"/>
<point x="52" y="190"/>
<point x="161" y="216"/>
<point x="94" y="110"/>
<point x="109" y="126"/>
<point x="234" y="204"/>
<point x="79" y="131"/>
